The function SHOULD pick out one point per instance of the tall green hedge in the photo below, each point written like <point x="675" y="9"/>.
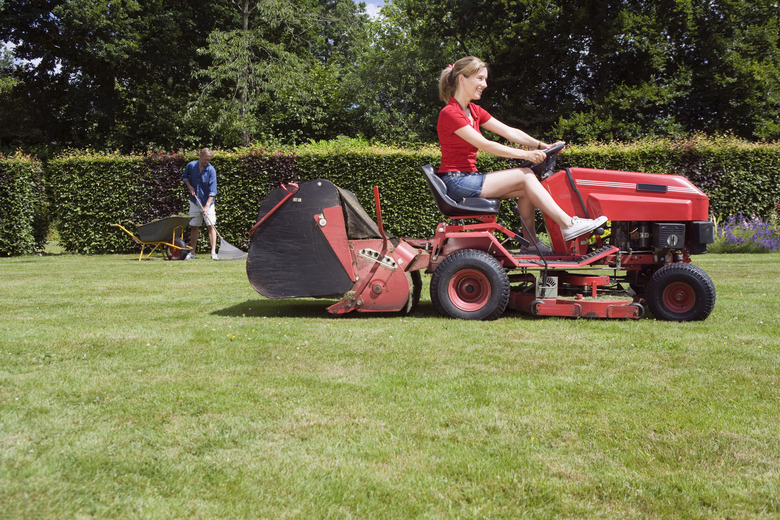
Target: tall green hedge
<point x="91" y="191"/>
<point x="23" y="211"/>
<point x="407" y="207"/>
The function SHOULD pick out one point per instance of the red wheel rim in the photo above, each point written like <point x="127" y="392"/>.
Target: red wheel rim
<point x="679" y="297"/>
<point x="469" y="290"/>
<point x="174" y="252"/>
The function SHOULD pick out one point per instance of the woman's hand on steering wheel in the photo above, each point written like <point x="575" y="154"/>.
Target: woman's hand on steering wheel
<point x="555" y="148"/>
<point x="536" y="156"/>
<point x="545" y="168"/>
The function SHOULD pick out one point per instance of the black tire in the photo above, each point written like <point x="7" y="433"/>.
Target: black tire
<point x="415" y="281"/>
<point x="680" y="292"/>
<point x="179" y="252"/>
<point x="640" y="309"/>
<point x="470" y="285"/>
<point x="534" y="307"/>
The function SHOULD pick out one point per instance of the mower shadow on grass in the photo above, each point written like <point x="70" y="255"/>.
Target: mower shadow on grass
<point x="308" y="308"/>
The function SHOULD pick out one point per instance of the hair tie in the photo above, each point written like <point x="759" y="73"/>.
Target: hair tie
<point x="448" y="67"/>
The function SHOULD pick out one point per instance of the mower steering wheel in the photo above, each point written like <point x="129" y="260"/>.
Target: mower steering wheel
<point x="554" y="149"/>
<point x="545" y="168"/>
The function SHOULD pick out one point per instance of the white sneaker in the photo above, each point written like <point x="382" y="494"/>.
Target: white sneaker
<point x="580" y="226"/>
<point x="214" y="256"/>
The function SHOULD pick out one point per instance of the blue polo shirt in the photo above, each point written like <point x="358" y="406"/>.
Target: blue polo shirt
<point x="204" y="181"/>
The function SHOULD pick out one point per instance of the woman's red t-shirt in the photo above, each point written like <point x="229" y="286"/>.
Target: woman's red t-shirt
<point x="457" y="155"/>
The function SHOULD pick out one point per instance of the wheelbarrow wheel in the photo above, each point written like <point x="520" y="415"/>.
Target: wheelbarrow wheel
<point x="470" y="284"/>
<point x="177" y="252"/>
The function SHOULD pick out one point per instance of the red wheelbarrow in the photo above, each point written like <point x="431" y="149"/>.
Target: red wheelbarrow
<point x="167" y="233"/>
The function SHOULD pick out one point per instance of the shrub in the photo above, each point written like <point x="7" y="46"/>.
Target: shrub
<point x="736" y="175"/>
<point x="740" y="234"/>
<point x="23" y="210"/>
<point x="90" y="191"/>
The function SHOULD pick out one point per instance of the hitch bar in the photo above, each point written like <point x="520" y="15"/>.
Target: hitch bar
<point x="290" y="193"/>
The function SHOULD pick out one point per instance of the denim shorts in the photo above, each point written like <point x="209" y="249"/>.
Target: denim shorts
<point x="463" y="184"/>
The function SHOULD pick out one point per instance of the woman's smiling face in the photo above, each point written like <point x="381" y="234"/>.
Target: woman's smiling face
<point x="474" y="85"/>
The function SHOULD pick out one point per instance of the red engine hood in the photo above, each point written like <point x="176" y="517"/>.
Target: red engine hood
<point x="629" y="195"/>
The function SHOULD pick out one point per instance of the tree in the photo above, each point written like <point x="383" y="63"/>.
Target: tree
<point x="100" y="73"/>
<point x="618" y="69"/>
<point x="396" y="80"/>
<point x="128" y="74"/>
<point x="277" y="76"/>
<point x="7" y="80"/>
<point x="670" y="67"/>
<point x="734" y="59"/>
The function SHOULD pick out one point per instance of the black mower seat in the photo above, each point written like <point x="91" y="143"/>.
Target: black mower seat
<point x="452" y="208"/>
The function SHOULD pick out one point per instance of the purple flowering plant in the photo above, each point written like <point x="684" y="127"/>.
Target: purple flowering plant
<point x="741" y="234"/>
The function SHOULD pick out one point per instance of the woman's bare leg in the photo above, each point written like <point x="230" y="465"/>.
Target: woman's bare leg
<point x="523" y="184"/>
<point x="527" y="211"/>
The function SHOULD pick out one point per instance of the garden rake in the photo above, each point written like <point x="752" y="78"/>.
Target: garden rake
<point x="226" y="251"/>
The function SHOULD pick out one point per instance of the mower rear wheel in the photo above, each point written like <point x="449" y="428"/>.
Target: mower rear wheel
<point x="680" y="292"/>
<point x="179" y="252"/>
<point x="470" y="284"/>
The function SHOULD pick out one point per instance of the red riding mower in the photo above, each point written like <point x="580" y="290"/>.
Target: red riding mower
<point x="315" y="240"/>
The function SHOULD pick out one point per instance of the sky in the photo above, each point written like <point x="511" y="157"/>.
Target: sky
<point x="372" y="6"/>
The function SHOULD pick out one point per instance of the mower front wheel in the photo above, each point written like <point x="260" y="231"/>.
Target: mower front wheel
<point x="680" y="292"/>
<point x="470" y="284"/>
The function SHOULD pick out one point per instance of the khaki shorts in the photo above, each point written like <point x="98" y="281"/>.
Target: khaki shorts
<point x="196" y="216"/>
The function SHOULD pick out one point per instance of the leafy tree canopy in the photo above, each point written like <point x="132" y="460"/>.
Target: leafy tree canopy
<point x="128" y="74"/>
<point x="619" y="69"/>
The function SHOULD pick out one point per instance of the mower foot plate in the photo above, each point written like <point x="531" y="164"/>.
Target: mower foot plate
<point x="567" y="262"/>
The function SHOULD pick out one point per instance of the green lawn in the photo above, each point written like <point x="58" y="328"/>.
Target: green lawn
<point x="172" y="390"/>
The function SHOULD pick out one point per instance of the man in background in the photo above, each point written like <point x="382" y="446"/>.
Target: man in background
<point x="200" y="177"/>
